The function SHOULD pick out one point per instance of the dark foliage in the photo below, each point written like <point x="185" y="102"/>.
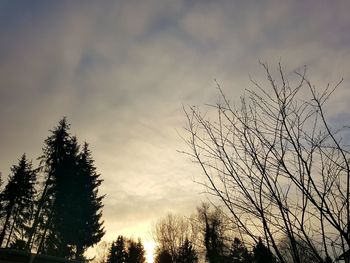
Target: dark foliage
<point x="68" y="215"/>
<point x="118" y="253"/>
<point x="18" y="202"/>
<point x="213" y="240"/>
<point x="239" y="252"/>
<point x="261" y="254"/>
<point x="88" y="203"/>
<point x="163" y="256"/>
<point x="126" y="251"/>
<point x="136" y="252"/>
<point x="186" y="253"/>
<point x="60" y="162"/>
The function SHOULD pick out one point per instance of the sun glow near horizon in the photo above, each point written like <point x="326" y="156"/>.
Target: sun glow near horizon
<point x="100" y="251"/>
<point x="149" y="248"/>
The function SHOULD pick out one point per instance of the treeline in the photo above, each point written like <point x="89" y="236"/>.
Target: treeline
<point x="210" y="236"/>
<point x="55" y="208"/>
<point x="125" y="250"/>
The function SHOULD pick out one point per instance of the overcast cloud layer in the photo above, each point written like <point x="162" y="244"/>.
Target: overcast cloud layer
<point x="122" y="70"/>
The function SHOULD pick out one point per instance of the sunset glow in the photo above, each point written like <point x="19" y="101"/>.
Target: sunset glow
<point x="122" y="71"/>
<point x="150" y="249"/>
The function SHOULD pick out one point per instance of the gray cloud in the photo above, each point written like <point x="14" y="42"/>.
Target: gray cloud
<point x="121" y="71"/>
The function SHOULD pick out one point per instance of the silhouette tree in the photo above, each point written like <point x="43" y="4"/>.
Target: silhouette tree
<point x="261" y="254"/>
<point x="213" y="243"/>
<point x="126" y="251"/>
<point x="239" y="252"/>
<point x="118" y="252"/>
<point x="170" y="232"/>
<point x="135" y="252"/>
<point x="186" y="253"/>
<point x="163" y="256"/>
<point x="2" y="211"/>
<point x="54" y="164"/>
<point x="18" y="202"/>
<point x="278" y="165"/>
<point x="87" y="203"/>
<point x="68" y="217"/>
<point x="61" y="164"/>
<point x="213" y="228"/>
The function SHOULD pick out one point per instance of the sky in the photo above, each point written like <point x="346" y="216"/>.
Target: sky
<point x="122" y="71"/>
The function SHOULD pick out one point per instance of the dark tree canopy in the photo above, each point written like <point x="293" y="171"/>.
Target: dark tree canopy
<point x="187" y="253"/>
<point x="68" y="216"/>
<point x="60" y="163"/>
<point x="136" y="252"/>
<point x="18" y="203"/>
<point x="213" y="234"/>
<point x="163" y="256"/>
<point x="126" y="251"/>
<point x="87" y="202"/>
<point x="261" y="254"/>
<point x="118" y="251"/>
<point x="239" y="252"/>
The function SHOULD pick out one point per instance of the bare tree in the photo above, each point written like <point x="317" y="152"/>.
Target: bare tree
<point x="278" y="166"/>
<point x="171" y="232"/>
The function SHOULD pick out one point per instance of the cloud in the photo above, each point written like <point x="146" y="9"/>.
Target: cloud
<point x="121" y="71"/>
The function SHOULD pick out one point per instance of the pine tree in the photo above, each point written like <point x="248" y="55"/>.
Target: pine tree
<point x="72" y="207"/>
<point x="88" y="204"/>
<point x="68" y="215"/>
<point x="54" y="150"/>
<point x="136" y="252"/>
<point x="18" y="202"/>
<point x="112" y="255"/>
<point x="117" y="252"/>
<point x="60" y="164"/>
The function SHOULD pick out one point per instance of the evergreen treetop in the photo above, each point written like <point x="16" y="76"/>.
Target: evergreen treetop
<point x="18" y="201"/>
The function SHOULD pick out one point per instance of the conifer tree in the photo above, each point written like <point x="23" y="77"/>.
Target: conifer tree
<point x="88" y="203"/>
<point x="68" y="218"/>
<point x="136" y="252"/>
<point x="2" y="212"/>
<point x="117" y="252"/>
<point x="18" y="202"/>
<point x="59" y="162"/>
<point x="68" y="214"/>
<point x="55" y="150"/>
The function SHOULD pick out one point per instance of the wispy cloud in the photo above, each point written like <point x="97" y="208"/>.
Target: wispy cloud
<point x="121" y="71"/>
